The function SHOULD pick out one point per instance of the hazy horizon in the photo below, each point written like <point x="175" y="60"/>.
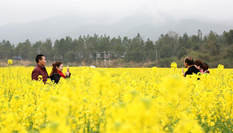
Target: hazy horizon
<point x="38" y="20"/>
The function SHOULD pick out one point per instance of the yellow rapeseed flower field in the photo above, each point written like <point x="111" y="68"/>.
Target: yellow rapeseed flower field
<point x="117" y="100"/>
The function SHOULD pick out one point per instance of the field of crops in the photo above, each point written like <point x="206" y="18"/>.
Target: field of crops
<point x="112" y="100"/>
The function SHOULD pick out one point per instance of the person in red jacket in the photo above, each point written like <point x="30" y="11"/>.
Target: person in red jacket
<point x="56" y="73"/>
<point x="202" y="67"/>
<point x="40" y="69"/>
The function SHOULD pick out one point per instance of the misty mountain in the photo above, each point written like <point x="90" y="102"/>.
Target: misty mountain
<point x="74" y="26"/>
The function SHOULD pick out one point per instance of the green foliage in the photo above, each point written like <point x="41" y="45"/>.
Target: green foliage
<point x="212" y="48"/>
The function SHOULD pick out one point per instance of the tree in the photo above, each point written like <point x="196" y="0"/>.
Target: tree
<point x="150" y="51"/>
<point x="6" y="49"/>
<point x="212" y="43"/>
<point x="135" y="52"/>
<point x="24" y="50"/>
<point x="214" y="48"/>
<point x="228" y="37"/>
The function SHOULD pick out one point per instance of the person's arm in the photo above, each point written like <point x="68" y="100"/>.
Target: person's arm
<point x="62" y="75"/>
<point x="35" y="74"/>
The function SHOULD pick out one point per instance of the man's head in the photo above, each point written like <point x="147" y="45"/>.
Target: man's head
<point x="40" y="59"/>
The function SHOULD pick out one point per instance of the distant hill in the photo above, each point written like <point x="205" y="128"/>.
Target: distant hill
<point x="74" y="26"/>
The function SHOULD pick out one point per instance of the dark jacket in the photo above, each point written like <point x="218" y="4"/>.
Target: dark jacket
<point x="56" y="77"/>
<point x="191" y="70"/>
<point x="40" y="70"/>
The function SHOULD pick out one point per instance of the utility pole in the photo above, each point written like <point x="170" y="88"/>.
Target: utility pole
<point x="104" y="58"/>
<point x="96" y="54"/>
<point x="109" y="55"/>
<point x="156" y="53"/>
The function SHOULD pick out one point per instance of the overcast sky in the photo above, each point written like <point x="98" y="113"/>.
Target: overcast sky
<point x="21" y="11"/>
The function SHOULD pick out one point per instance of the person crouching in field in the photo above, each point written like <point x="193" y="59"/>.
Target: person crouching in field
<point x="189" y="63"/>
<point x="40" y="69"/>
<point x="205" y="68"/>
<point x="56" y="73"/>
<point x="202" y="67"/>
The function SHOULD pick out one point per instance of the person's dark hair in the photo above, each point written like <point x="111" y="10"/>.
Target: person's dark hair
<point x="189" y="61"/>
<point x="54" y="69"/>
<point x="38" y="57"/>
<point x="198" y="63"/>
<point x="205" y="66"/>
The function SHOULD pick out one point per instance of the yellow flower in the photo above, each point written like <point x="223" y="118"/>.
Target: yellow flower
<point x="116" y="100"/>
<point x="10" y="61"/>
<point x="40" y="77"/>
<point x="173" y="65"/>
<point x="220" y="67"/>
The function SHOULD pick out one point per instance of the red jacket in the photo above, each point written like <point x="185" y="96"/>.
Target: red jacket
<point x="40" y="70"/>
<point x="61" y="74"/>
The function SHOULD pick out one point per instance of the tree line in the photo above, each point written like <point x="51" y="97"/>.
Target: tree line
<point x="212" y="48"/>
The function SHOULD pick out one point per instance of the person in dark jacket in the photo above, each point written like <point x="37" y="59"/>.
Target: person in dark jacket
<point x="40" y="69"/>
<point x="56" y="73"/>
<point x="189" y="63"/>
